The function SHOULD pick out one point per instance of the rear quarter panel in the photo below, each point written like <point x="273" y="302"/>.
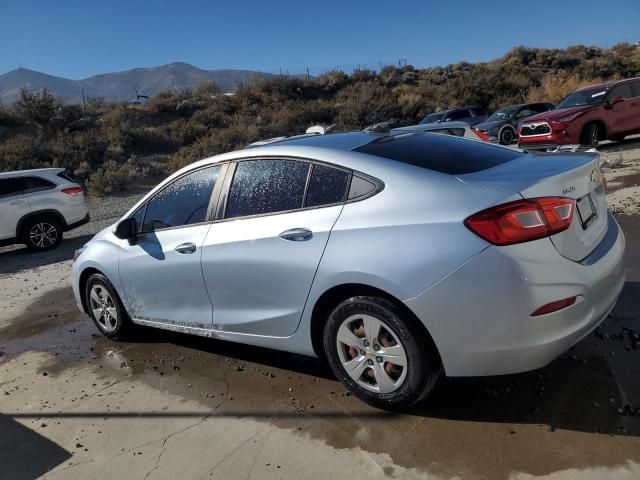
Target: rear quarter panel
<point x="407" y="237"/>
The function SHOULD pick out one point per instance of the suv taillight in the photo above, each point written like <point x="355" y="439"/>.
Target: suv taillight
<point x="522" y="220"/>
<point x="72" y="191"/>
<point x="480" y="134"/>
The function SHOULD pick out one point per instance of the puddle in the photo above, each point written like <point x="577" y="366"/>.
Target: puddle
<point x="621" y="182"/>
<point x="560" y="417"/>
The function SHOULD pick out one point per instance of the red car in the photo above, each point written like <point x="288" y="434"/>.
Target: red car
<point x="606" y="111"/>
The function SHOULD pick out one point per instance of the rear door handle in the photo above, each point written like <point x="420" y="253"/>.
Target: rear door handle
<point x="186" y="248"/>
<point x="297" y="234"/>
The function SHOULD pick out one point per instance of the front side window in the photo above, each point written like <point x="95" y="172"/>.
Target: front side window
<point x="183" y="202"/>
<point x="432" y="118"/>
<point x="266" y="186"/>
<point x="326" y="186"/>
<point x="635" y="88"/>
<point x="620" y="91"/>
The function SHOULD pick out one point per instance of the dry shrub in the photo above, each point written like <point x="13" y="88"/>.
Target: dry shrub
<point x="554" y="88"/>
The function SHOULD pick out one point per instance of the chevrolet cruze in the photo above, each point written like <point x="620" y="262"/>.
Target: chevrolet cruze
<point x="397" y="257"/>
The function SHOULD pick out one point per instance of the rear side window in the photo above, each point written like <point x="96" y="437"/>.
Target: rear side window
<point x="37" y="184"/>
<point x="441" y="153"/>
<point x="66" y="176"/>
<point x="326" y="186"/>
<point x="458" y="115"/>
<point x="360" y="187"/>
<point x="266" y="186"/>
<point x="635" y="88"/>
<point x="11" y="186"/>
<point x="183" y="202"/>
<point x="478" y="112"/>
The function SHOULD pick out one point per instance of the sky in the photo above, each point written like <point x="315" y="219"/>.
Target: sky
<point x="77" y="39"/>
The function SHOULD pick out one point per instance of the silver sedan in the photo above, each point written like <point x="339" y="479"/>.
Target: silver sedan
<point x="396" y="256"/>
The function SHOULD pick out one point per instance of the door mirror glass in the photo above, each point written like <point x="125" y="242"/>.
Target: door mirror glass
<point x="126" y="229"/>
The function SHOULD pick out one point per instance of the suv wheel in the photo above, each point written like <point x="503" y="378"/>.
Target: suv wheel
<point x="42" y="233"/>
<point x="105" y="308"/>
<point x="375" y="350"/>
<point x="507" y="136"/>
<point x="591" y="135"/>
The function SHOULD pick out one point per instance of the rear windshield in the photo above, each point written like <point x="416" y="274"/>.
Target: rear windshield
<point x="442" y="153"/>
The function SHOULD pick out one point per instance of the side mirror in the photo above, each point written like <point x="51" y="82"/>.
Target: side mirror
<point x="612" y="101"/>
<point x="126" y="229"/>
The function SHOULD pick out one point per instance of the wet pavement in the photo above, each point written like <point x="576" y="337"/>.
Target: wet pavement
<point x="164" y="404"/>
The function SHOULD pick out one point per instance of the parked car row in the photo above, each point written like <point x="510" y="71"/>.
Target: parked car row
<point x="608" y="111"/>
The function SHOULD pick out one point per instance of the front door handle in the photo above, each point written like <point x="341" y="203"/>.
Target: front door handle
<point x="186" y="248"/>
<point x="297" y="234"/>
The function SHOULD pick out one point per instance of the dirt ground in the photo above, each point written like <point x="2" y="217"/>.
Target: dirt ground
<point x="75" y="405"/>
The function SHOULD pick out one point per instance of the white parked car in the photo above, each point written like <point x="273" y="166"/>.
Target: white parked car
<point x="37" y="206"/>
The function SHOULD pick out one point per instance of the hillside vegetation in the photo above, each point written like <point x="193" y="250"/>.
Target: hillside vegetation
<point x="114" y="146"/>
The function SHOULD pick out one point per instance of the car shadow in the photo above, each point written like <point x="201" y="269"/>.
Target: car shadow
<point x="594" y="387"/>
<point x="18" y="258"/>
<point x="25" y="454"/>
<point x="624" y="145"/>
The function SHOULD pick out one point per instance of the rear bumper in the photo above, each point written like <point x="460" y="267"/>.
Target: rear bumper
<point x="491" y="331"/>
<point x="78" y="223"/>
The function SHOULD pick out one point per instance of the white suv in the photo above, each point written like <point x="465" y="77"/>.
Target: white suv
<point x="37" y="206"/>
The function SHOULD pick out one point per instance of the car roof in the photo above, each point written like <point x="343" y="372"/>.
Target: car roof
<point x="334" y="141"/>
<point x="34" y="171"/>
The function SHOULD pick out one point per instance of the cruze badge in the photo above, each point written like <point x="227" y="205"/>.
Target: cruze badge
<point x="595" y="175"/>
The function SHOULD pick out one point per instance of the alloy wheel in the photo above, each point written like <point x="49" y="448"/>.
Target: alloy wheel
<point x="371" y="353"/>
<point x="103" y="308"/>
<point x="43" y="235"/>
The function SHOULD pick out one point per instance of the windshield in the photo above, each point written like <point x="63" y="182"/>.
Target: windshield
<point x="593" y="96"/>
<point x="432" y="118"/>
<point x="502" y="114"/>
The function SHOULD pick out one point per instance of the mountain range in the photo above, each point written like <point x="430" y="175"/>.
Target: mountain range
<point x="122" y="86"/>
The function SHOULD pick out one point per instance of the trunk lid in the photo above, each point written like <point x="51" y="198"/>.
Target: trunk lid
<point x="573" y="175"/>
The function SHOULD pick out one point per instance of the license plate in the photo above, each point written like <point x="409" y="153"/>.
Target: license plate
<point x="586" y="210"/>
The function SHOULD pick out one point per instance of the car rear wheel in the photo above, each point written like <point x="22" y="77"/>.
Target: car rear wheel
<point x="591" y="135"/>
<point x="507" y="136"/>
<point x="105" y="308"/>
<point x="377" y="352"/>
<point x="42" y="233"/>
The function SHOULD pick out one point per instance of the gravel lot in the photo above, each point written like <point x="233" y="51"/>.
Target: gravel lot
<point x="75" y="405"/>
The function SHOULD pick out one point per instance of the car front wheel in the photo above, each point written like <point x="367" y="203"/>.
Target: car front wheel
<point x="379" y="354"/>
<point x="507" y="136"/>
<point x="105" y="308"/>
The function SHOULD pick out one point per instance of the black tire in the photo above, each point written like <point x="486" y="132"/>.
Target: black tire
<point x="423" y="363"/>
<point x="42" y="233"/>
<point x="591" y="135"/>
<point x="507" y="136"/>
<point x="122" y="326"/>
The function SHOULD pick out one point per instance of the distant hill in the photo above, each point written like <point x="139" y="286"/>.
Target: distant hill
<point x="122" y="85"/>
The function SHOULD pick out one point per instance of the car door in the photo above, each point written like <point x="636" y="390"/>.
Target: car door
<point x="621" y="114"/>
<point x="161" y="272"/>
<point x="635" y="104"/>
<point x="14" y="205"/>
<point x="260" y="259"/>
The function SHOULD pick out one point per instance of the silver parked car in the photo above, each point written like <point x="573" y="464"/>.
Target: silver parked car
<point x="397" y="257"/>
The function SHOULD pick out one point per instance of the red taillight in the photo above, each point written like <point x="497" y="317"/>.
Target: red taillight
<point x="554" y="306"/>
<point x="481" y="135"/>
<point x="72" y="191"/>
<point x="522" y="220"/>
